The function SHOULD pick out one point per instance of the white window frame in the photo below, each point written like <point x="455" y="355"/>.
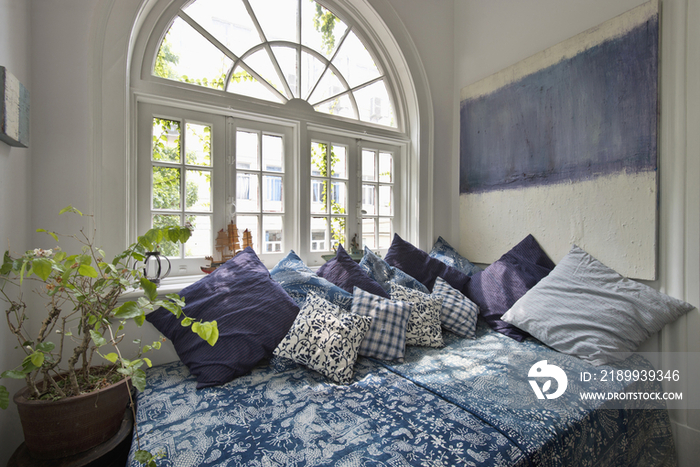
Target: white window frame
<point x="297" y="114"/>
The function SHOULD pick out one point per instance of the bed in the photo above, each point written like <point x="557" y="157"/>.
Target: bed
<point x="468" y="401"/>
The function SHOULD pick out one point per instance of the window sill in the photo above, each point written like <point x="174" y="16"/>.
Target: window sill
<point x="168" y="285"/>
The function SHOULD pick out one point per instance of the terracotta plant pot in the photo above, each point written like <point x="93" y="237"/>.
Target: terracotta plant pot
<point x="55" y="429"/>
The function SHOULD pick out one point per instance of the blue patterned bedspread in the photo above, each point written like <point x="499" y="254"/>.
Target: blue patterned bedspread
<point x="467" y="404"/>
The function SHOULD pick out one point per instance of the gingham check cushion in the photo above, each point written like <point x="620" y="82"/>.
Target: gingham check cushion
<point x="458" y="313"/>
<point x="423" y="328"/>
<point x="386" y="338"/>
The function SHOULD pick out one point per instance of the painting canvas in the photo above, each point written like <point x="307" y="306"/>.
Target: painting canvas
<point x="563" y="145"/>
<point x="14" y="110"/>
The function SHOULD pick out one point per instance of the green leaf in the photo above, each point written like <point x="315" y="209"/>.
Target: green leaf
<point x="112" y="357"/>
<point x="128" y="310"/>
<point x="150" y="289"/>
<point x="87" y="271"/>
<point x="186" y="321"/>
<point x="70" y="208"/>
<point x="6" y="264"/>
<point x="37" y="359"/>
<point x="143" y="456"/>
<point x="14" y="374"/>
<point x="172" y="308"/>
<point x="60" y="256"/>
<point x="175" y="298"/>
<point x="214" y="336"/>
<point x="97" y="338"/>
<point x="148" y="362"/>
<point x="139" y="380"/>
<point x="139" y="320"/>
<point x="4" y="397"/>
<point x="42" y="268"/>
<point x="46" y="346"/>
<point x="55" y="237"/>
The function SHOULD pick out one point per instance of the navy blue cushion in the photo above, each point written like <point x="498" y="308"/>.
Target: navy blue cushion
<point x="344" y="272"/>
<point x="298" y="280"/>
<point x="418" y="264"/>
<point x="501" y="284"/>
<point x="252" y="311"/>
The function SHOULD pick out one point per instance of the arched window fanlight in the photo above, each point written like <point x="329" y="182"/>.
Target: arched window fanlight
<point x="279" y="51"/>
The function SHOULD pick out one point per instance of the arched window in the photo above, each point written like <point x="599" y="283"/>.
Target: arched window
<point x="282" y="117"/>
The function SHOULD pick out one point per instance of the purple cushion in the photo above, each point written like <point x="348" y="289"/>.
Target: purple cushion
<point x="252" y="311"/>
<point x="418" y="264"/>
<point x="500" y="285"/>
<point x="344" y="272"/>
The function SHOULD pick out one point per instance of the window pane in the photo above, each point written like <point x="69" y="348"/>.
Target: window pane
<point x="261" y="63"/>
<point x="199" y="244"/>
<point x="319" y="234"/>
<point x="319" y="202"/>
<point x="272" y="234"/>
<point x="247" y="150"/>
<point x="251" y="224"/>
<point x="329" y="86"/>
<point x="385" y="232"/>
<point x="198" y="190"/>
<point x="369" y="200"/>
<point x="339" y="197"/>
<point x="167" y="247"/>
<point x="228" y="21"/>
<point x="287" y="60"/>
<point x="338" y="232"/>
<point x="278" y="18"/>
<point x="198" y="145"/>
<point x="311" y="69"/>
<point x="368" y="166"/>
<point x="386" y="167"/>
<point x="385" y="198"/>
<point x="166" y="188"/>
<point x="339" y="161"/>
<point x="321" y="30"/>
<point x="374" y="104"/>
<point x="244" y="83"/>
<point x="272" y="192"/>
<point x="319" y="163"/>
<point x="247" y="189"/>
<point x="272" y="153"/>
<point x="340" y="106"/>
<point x="166" y="140"/>
<point x="354" y="62"/>
<point x="185" y="55"/>
<point x="368" y="233"/>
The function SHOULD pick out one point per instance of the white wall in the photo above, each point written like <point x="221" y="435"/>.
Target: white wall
<point x="490" y="36"/>
<point x="15" y="192"/>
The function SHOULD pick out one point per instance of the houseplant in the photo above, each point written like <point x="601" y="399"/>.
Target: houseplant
<point x="76" y="348"/>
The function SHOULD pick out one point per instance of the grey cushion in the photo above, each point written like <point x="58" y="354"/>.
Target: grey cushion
<point x="586" y="309"/>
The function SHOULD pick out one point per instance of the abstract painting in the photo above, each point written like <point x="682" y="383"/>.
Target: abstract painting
<point x="14" y="110"/>
<point x="563" y="145"/>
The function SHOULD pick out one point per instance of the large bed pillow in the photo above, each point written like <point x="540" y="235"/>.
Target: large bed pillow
<point x="325" y="338"/>
<point x="423" y="328"/>
<point x="586" y="309"/>
<point x="418" y="264"/>
<point x="253" y="314"/>
<point x="385" y="274"/>
<point x="444" y="252"/>
<point x="344" y="272"/>
<point x="298" y="280"/>
<point x="386" y="338"/>
<point x="458" y="314"/>
<point x="501" y="284"/>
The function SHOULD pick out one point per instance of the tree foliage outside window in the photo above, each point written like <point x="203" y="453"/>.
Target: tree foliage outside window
<point x="320" y="159"/>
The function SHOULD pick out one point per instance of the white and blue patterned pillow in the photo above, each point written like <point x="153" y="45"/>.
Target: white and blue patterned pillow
<point x="325" y="339"/>
<point x="458" y="313"/>
<point x="444" y="252"/>
<point x="385" y="274"/>
<point x="298" y="281"/>
<point x="423" y="328"/>
<point x="386" y="338"/>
